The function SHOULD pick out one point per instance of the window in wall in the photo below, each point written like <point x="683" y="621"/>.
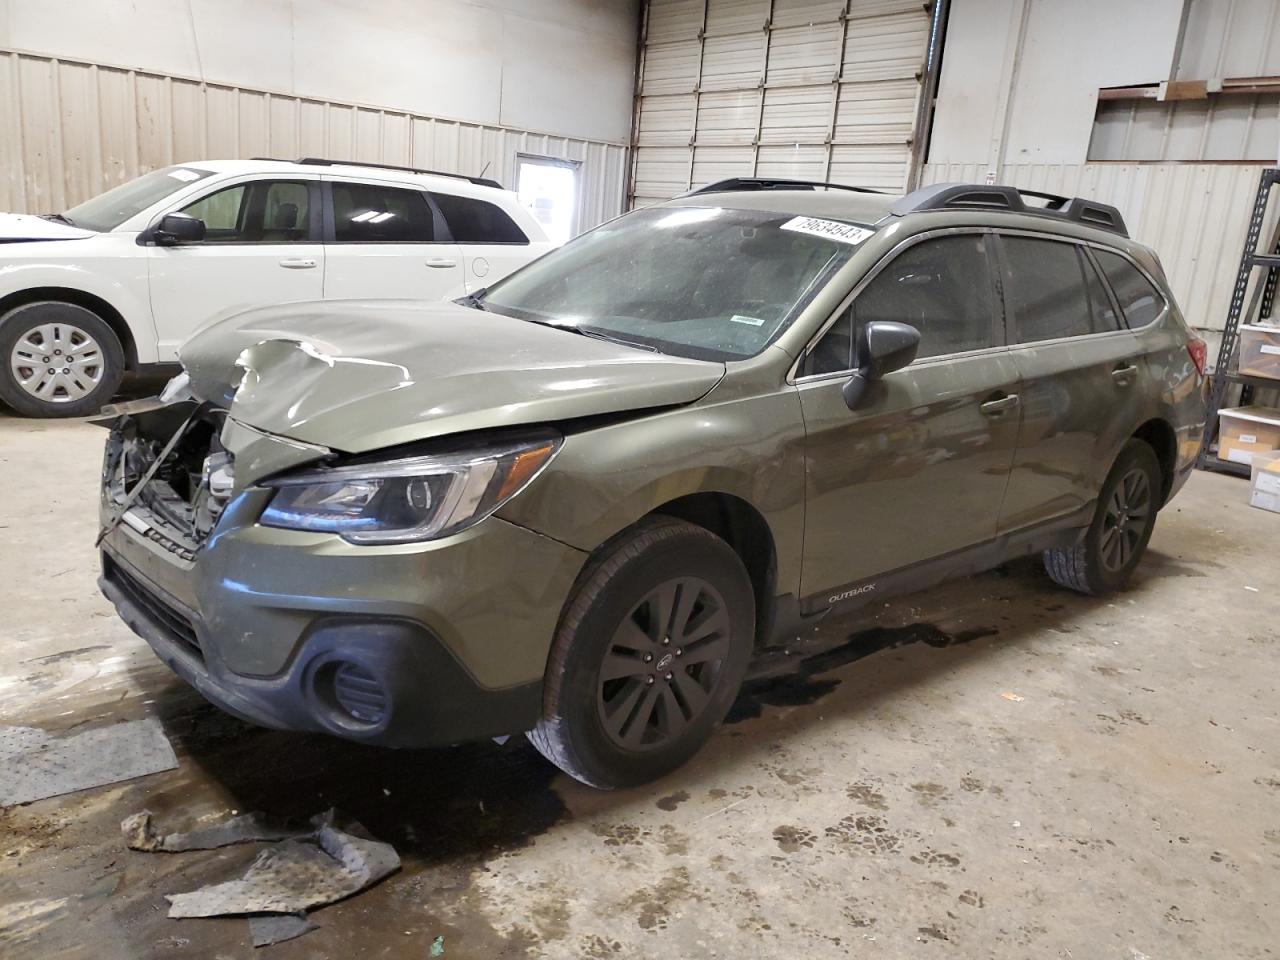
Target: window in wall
<point x="1139" y="300"/>
<point x="1217" y="127"/>
<point x="549" y="188"/>
<point x="478" y="221"/>
<point x="372" y="213"/>
<point x="941" y="287"/>
<point x="264" y="211"/>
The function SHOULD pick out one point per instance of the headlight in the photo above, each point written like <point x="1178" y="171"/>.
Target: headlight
<point x="416" y="498"/>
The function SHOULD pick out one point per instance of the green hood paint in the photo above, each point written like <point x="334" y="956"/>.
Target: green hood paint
<point x="357" y="376"/>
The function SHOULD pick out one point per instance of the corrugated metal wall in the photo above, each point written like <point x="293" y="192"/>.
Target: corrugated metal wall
<point x="74" y="129"/>
<point x="1193" y="215"/>
<point x="815" y="89"/>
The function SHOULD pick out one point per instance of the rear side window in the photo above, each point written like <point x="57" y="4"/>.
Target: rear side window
<point x="1140" y="301"/>
<point x="478" y="221"/>
<point x="1052" y="291"/>
<point x="372" y="213"/>
<point x="941" y="287"/>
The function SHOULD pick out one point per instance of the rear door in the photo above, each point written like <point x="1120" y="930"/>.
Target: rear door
<point x="385" y="241"/>
<point x="1081" y="373"/>
<point x="492" y="244"/>
<point x="919" y="469"/>
<point x="262" y="245"/>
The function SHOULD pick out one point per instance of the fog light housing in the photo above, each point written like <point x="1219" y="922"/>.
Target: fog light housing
<point x="354" y="696"/>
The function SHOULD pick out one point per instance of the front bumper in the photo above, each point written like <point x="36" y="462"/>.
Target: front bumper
<point x="448" y="640"/>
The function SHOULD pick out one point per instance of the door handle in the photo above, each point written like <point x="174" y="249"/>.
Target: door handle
<point x="297" y="263"/>
<point x="1124" y="375"/>
<point x="441" y="262"/>
<point x="997" y="407"/>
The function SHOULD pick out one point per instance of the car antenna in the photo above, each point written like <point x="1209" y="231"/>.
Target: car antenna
<point x="485" y="170"/>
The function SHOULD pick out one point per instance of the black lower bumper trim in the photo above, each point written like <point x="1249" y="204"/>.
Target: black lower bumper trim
<point x="429" y="698"/>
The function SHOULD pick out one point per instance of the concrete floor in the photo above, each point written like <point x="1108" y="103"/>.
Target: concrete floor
<point x="889" y="802"/>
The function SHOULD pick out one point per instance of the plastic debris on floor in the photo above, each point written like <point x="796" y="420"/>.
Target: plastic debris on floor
<point x="35" y="765"/>
<point x="299" y="871"/>
<point x="140" y="834"/>
<point x="277" y="928"/>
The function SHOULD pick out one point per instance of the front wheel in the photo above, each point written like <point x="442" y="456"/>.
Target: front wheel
<point x="648" y="657"/>
<point x="1122" y="523"/>
<point x="60" y="360"/>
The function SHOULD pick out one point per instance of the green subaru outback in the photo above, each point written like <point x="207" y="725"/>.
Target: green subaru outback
<point x="580" y="502"/>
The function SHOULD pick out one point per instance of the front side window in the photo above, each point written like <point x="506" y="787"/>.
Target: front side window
<point x="1046" y="290"/>
<point x="1140" y="301"/>
<point x="704" y="282"/>
<point x="942" y="287"/>
<point x="478" y="221"/>
<point x="264" y="211"/>
<point x="373" y="213"/>
<point x="108" y="210"/>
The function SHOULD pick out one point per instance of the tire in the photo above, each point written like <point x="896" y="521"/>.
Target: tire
<point x="42" y="389"/>
<point x="638" y="725"/>
<point x="1113" y="545"/>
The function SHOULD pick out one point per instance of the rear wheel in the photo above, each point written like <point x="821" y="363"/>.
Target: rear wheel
<point x="60" y="360"/>
<point x="648" y="657"/>
<point x="1122" y="523"/>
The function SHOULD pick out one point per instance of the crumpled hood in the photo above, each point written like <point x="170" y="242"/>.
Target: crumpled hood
<point x="356" y="376"/>
<point x="21" y="226"/>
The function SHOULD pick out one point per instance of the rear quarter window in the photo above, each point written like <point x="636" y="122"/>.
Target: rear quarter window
<point x="478" y="221"/>
<point x="1139" y="299"/>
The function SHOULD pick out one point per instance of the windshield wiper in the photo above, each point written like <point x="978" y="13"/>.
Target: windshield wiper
<point x="473" y="300"/>
<point x="597" y="334"/>
<point x="59" y="218"/>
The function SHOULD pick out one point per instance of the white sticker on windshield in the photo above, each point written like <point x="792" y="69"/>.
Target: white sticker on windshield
<point x="831" y="229"/>
<point x="752" y="321"/>
<point x="186" y="176"/>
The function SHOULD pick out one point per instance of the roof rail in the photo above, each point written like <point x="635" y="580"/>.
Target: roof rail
<point x="977" y="196"/>
<point x="736" y="184"/>
<point x="322" y="162"/>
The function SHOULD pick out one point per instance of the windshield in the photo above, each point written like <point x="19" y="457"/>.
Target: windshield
<point x="108" y="210"/>
<point x="703" y="282"/>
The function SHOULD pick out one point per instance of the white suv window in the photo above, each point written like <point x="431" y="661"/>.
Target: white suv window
<point x="373" y="213"/>
<point x="477" y="221"/>
<point x="264" y="211"/>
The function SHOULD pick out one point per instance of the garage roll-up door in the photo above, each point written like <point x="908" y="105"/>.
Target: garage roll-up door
<point x="811" y="89"/>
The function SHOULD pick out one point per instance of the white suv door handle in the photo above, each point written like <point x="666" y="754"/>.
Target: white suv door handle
<point x="297" y="263"/>
<point x="441" y="262"/>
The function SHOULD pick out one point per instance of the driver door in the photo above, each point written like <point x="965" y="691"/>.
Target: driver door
<point x="261" y="246"/>
<point x="918" y="470"/>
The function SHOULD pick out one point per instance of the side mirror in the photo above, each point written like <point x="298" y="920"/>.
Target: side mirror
<point x="176" y="228"/>
<point x="883" y="347"/>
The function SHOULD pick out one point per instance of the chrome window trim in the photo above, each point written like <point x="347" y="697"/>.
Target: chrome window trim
<point x="867" y="277"/>
<point x="1095" y="245"/>
<point x="906" y="242"/>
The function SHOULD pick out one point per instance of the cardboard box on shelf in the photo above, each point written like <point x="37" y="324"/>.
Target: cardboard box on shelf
<point x="1260" y="350"/>
<point x="1245" y="431"/>
<point x="1266" y="481"/>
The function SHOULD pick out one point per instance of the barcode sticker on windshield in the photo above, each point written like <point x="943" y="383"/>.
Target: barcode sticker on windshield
<point x="186" y="176"/>
<point x="753" y="321"/>
<point x="831" y="229"/>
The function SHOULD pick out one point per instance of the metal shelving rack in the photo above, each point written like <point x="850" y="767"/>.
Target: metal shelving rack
<point x="1224" y="373"/>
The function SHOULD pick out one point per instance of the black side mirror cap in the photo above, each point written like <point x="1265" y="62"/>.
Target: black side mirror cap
<point x="883" y="347"/>
<point x="176" y="228"/>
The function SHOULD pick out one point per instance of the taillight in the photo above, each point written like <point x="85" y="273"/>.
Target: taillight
<point x="1198" y="350"/>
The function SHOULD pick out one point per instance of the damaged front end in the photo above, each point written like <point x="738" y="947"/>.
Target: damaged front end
<point x="168" y="476"/>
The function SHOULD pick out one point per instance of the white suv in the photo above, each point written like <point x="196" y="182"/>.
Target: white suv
<point x="120" y="281"/>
